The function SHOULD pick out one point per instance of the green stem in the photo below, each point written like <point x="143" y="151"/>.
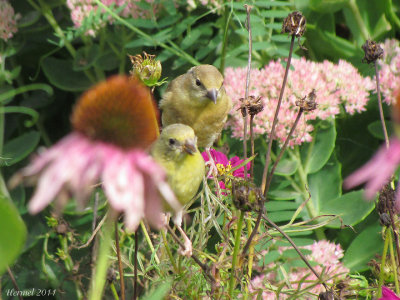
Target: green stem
<point x="147" y="237"/>
<point x="383" y="262"/>
<point x="48" y="14"/>
<point x="227" y="18"/>
<point x="393" y="262"/>
<point x="178" y="51"/>
<point x="169" y="253"/>
<point x="100" y="273"/>
<point x="114" y="291"/>
<point x="356" y="13"/>
<point x="232" y="281"/>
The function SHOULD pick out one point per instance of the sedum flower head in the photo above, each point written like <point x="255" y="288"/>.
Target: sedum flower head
<point x="81" y="9"/>
<point x="335" y="85"/>
<point x="389" y="73"/>
<point x="114" y="122"/>
<point x="325" y="256"/>
<point x="8" y="20"/>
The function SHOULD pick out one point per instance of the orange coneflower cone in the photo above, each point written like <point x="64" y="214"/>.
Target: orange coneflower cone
<point x="113" y="124"/>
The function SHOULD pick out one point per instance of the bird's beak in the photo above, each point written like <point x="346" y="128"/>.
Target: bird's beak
<point x="212" y="95"/>
<point x="190" y="147"/>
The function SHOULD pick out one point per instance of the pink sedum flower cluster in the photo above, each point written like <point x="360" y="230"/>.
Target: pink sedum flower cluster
<point x="81" y="9"/>
<point x="8" y="20"/>
<point x="389" y="73"/>
<point x="327" y="255"/>
<point x="335" y="85"/>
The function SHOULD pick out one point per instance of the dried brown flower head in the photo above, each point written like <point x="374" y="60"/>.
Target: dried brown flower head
<point x="294" y="24"/>
<point x="373" y="51"/>
<point x="308" y="103"/>
<point x="251" y="105"/>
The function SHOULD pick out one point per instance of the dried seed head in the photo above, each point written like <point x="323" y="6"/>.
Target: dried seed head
<point x="373" y="51"/>
<point x="251" y="105"/>
<point x="294" y="24"/>
<point x="386" y="204"/>
<point x="246" y="195"/>
<point x="328" y="295"/>
<point x="308" y="103"/>
<point x="120" y="111"/>
<point x="147" y="68"/>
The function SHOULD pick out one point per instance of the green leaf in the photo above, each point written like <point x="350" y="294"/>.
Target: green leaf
<point x="60" y="73"/>
<point x="19" y="148"/>
<point x="326" y="184"/>
<point x="280" y="216"/>
<point x="327" y="6"/>
<point x="363" y="248"/>
<point x="85" y="57"/>
<point x="281" y="205"/>
<point x="283" y="194"/>
<point x="375" y="128"/>
<point x="286" y="167"/>
<point x="351" y="207"/>
<point x="12" y="233"/>
<point x="160" y="292"/>
<point x="316" y="154"/>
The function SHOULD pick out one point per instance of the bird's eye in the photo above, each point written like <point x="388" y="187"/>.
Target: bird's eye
<point x="198" y="82"/>
<point x="171" y="142"/>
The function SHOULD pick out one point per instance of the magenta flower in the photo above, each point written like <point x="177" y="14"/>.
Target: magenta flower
<point x="106" y="147"/>
<point x="378" y="171"/>
<point x="225" y="165"/>
<point x="387" y="294"/>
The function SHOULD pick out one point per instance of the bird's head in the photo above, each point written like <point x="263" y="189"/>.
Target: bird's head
<point x="178" y="140"/>
<point x="206" y="83"/>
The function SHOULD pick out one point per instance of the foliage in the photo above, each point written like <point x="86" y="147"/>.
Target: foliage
<point x="49" y="61"/>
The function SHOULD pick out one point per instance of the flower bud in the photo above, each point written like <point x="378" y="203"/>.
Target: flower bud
<point x="146" y="68"/>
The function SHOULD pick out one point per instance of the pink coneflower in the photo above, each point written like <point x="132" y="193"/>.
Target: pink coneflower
<point x="387" y="294"/>
<point x="8" y="20"/>
<point x="225" y="165"/>
<point x="114" y="123"/>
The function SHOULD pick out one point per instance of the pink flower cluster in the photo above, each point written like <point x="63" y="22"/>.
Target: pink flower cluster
<point x="81" y="9"/>
<point x="335" y="85"/>
<point x="389" y="73"/>
<point x="327" y="255"/>
<point x="192" y="4"/>
<point x="8" y="20"/>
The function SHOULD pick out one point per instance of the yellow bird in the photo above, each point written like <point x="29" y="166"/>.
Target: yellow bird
<point x="176" y="151"/>
<point x="197" y="99"/>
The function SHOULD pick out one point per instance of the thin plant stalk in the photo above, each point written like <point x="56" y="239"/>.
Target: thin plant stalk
<point x="380" y="106"/>
<point x="260" y="213"/>
<point x="114" y="291"/>
<point x="283" y="149"/>
<point x="275" y="120"/>
<point x="395" y="232"/>
<point x="245" y="117"/>
<point x="120" y="268"/>
<point x="148" y="239"/>
<point x="232" y="280"/>
<point x="251" y="144"/>
<point x="298" y="251"/>
<point x="14" y="282"/>
<point x="169" y="253"/>
<point x="135" y="268"/>
<point x="99" y="277"/>
<point x="383" y="261"/>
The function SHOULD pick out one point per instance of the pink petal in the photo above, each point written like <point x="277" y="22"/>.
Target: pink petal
<point x="387" y="294"/>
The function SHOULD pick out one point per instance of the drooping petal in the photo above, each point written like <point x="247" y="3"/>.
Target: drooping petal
<point x="124" y="187"/>
<point x="378" y="170"/>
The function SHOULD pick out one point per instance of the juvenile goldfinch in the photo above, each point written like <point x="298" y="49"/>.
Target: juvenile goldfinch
<point x="176" y="151"/>
<point x="197" y="99"/>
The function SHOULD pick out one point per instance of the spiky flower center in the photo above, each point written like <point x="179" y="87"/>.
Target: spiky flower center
<point x="119" y="111"/>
